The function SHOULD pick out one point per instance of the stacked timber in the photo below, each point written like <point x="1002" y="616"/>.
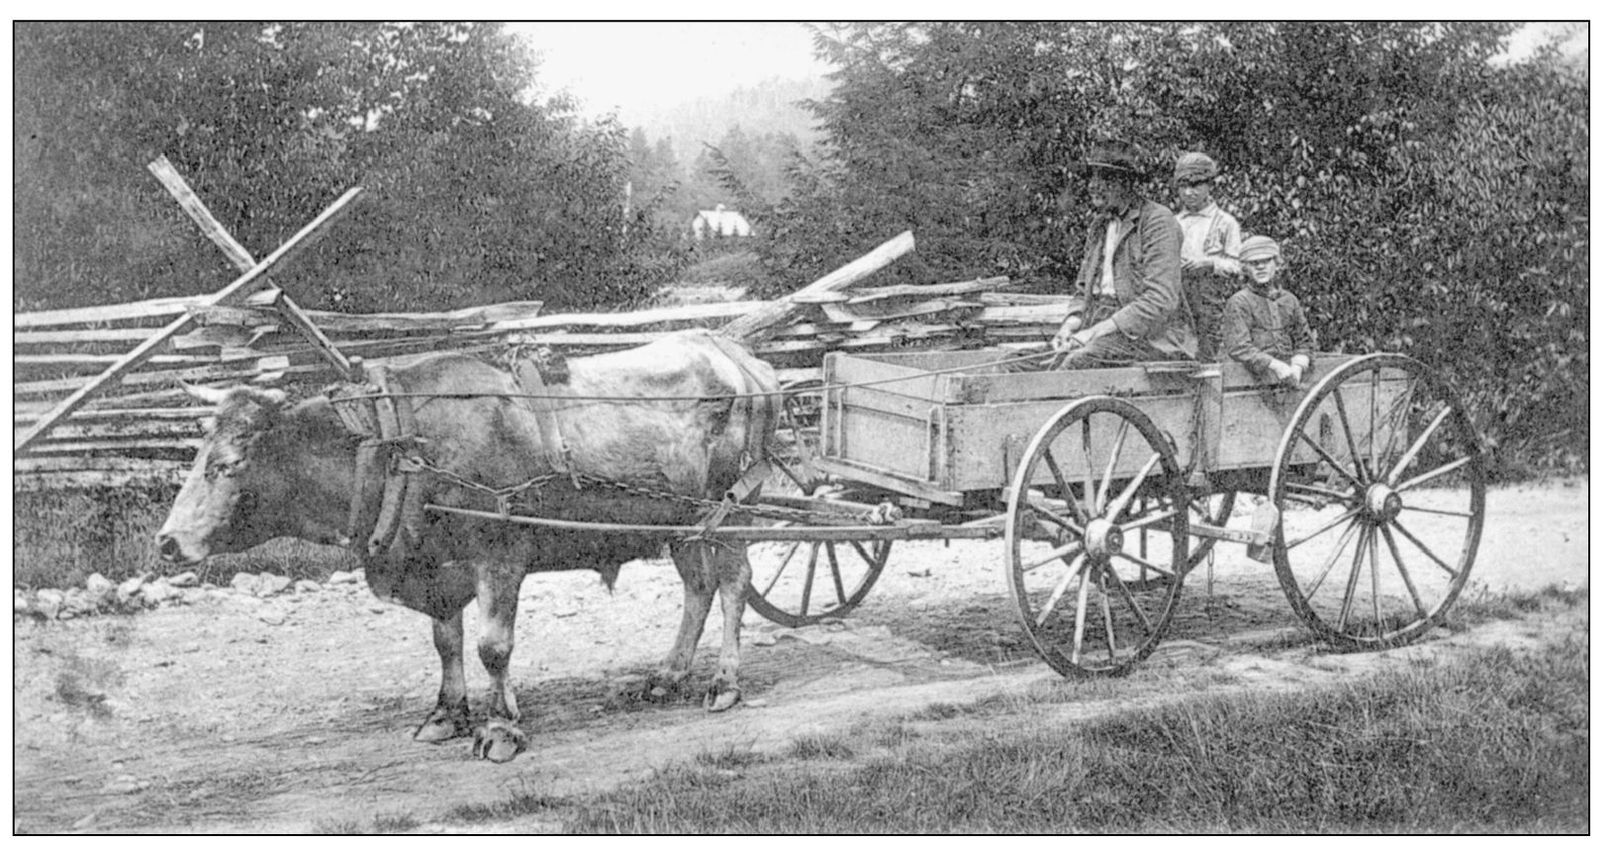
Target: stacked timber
<point x="142" y="428"/>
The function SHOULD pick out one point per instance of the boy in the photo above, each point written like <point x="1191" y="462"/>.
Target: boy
<point x="1210" y="249"/>
<point x="1264" y="325"/>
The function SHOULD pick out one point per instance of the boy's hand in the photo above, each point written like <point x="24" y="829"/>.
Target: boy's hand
<point x="1067" y="329"/>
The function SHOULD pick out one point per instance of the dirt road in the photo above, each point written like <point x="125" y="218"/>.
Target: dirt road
<point x="293" y="714"/>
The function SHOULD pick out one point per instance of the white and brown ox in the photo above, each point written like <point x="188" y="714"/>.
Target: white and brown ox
<point x="266" y="470"/>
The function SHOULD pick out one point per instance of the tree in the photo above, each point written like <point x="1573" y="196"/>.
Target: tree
<point x="473" y="194"/>
<point x="1428" y="198"/>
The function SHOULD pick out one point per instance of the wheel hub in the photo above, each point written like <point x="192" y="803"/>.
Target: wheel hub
<point x="1102" y="538"/>
<point x="1383" y="503"/>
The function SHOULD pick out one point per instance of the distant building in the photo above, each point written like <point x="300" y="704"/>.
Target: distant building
<point x="720" y="222"/>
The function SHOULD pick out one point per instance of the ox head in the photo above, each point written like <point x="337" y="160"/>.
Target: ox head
<point x="237" y="474"/>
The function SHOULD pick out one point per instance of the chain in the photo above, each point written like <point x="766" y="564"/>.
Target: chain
<point x="505" y="494"/>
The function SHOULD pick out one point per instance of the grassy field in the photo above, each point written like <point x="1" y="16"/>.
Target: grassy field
<point x="1492" y="742"/>
<point x="59" y="538"/>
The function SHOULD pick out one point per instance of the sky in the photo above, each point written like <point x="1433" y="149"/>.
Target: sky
<point x="639" y="68"/>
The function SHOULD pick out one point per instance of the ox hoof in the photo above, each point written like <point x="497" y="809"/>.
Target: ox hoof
<point x="498" y="741"/>
<point x="660" y="689"/>
<point x="445" y="725"/>
<point x="722" y="696"/>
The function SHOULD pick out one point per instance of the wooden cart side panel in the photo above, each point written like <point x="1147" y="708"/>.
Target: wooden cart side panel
<point x="903" y="380"/>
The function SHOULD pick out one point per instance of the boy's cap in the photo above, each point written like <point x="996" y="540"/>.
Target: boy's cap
<point x="1258" y="247"/>
<point x="1195" y="166"/>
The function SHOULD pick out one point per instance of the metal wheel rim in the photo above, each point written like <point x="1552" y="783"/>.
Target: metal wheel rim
<point x="1391" y="554"/>
<point x="1146" y="613"/>
<point x="822" y="567"/>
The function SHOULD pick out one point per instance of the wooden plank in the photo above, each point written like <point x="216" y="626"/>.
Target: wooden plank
<point x="24" y="361"/>
<point x="87" y="335"/>
<point x="91" y="463"/>
<point x="633" y="319"/>
<point x="243" y="260"/>
<point x="106" y="313"/>
<point x="776" y="311"/>
<point x="150" y="345"/>
<point x="54" y="480"/>
<point x="131" y="415"/>
<point x="883" y="479"/>
<point x="102" y="446"/>
<point x="956" y="288"/>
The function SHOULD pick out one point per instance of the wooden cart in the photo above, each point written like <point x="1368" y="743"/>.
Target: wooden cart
<point x="1109" y="486"/>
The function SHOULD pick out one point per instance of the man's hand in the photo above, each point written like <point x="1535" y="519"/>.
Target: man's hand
<point x="1064" y="338"/>
<point x="1198" y="264"/>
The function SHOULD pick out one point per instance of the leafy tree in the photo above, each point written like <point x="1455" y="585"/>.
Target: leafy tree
<point x="474" y="194"/>
<point x="1427" y="197"/>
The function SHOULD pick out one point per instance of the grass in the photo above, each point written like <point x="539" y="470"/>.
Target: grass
<point x="1492" y="741"/>
<point x="60" y="537"/>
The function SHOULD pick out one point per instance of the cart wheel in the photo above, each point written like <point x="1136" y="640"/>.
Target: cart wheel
<point x="1380" y="492"/>
<point x="796" y="583"/>
<point x="1094" y="575"/>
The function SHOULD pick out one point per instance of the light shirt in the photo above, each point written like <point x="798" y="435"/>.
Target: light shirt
<point x="1211" y="232"/>
<point x="1106" y="277"/>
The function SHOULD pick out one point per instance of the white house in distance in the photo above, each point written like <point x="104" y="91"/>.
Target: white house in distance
<point x="720" y="222"/>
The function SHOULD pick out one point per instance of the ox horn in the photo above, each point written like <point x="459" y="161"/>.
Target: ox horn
<point x="205" y="394"/>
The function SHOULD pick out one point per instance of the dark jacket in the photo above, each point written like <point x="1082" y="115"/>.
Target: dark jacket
<point x="1148" y="279"/>
<point x="1257" y="327"/>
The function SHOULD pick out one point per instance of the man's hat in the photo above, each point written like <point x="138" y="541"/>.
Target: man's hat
<point x="1258" y="247"/>
<point x="1115" y="158"/>
<point x="1194" y="167"/>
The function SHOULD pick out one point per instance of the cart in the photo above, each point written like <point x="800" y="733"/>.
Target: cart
<point x="1366" y="493"/>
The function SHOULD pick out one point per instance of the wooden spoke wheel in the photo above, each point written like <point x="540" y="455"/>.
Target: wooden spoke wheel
<point x="796" y="583"/>
<point x="1380" y="491"/>
<point x="1097" y="537"/>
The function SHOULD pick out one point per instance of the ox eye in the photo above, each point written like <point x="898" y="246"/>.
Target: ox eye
<point x="224" y="468"/>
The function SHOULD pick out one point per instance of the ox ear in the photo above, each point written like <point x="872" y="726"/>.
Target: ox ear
<point x="205" y="394"/>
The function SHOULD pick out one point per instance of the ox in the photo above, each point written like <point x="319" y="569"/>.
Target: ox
<point x="702" y="410"/>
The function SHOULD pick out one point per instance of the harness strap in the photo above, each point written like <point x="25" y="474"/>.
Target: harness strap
<point x="546" y="413"/>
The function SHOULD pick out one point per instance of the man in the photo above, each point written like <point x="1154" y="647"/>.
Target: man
<point x="1130" y="282"/>
<point x="1264" y="325"/>
<point x="1210" y="249"/>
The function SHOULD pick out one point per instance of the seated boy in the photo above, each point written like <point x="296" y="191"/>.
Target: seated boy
<point x="1264" y="326"/>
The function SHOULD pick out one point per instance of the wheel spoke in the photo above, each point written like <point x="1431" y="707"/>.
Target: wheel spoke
<point x="1130" y="601"/>
<point x="1455" y="513"/>
<point x="1350" y="513"/>
<point x="1059" y="553"/>
<point x="1320" y="490"/>
<point x="835" y="574"/>
<point x="1350" y="584"/>
<point x="1333" y="559"/>
<point x="1406" y="576"/>
<point x="1087" y="454"/>
<point x="1071" y="574"/>
<point x="1059" y="521"/>
<point x="1400" y="409"/>
<point x="1081" y="621"/>
<point x="1433" y="473"/>
<point x="1104" y="610"/>
<point x="1421" y="546"/>
<point x="1147" y="565"/>
<point x="1350" y="440"/>
<point x="807" y="589"/>
<point x="1373" y="424"/>
<point x="1371" y="536"/>
<point x="863" y="552"/>
<point x="783" y="564"/>
<point x="1417" y="446"/>
<point x="1124" y="500"/>
<point x="1146" y="520"/>
<point x="1064" y="487"/>
<point x="1329" y="458"/>
<point x="1115" y="457"/>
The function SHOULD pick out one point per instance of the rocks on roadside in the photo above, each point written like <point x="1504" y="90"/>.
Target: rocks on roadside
<point x="99" y="595"/>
